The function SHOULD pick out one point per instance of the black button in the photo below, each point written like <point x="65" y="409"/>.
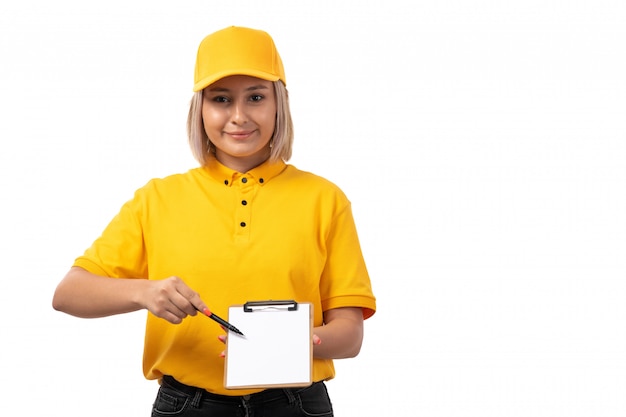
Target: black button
<point x="242" y="224"/>
<point x="244" y="180"/>
<point x="225" y="182"/>
<point x="244" y="202"/>
<point x="261" y="180"/>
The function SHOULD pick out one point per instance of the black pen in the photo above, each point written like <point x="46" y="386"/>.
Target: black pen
<point x="221" y="321"/>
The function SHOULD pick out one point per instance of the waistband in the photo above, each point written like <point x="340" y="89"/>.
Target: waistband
<point x="269" y="394"/>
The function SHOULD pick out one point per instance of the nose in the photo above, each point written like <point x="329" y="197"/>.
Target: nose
<point x="239" y="115"/>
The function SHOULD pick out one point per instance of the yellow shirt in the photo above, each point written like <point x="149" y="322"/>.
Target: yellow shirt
<point x="273" y="233"/>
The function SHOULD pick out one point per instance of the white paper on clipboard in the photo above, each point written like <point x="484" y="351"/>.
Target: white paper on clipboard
<point x="276" y="350"/>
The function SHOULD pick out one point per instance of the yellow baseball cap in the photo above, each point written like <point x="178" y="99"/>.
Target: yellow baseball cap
<point x="237" y="51"/>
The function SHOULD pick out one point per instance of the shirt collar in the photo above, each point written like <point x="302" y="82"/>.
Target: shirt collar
<point x="261" y="174"/>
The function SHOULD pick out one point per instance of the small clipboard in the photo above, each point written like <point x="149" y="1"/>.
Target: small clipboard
<point x="277" y="349"/>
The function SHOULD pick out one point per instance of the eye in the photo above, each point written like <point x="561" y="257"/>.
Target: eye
<point x="256" y="97"/>
<point x="220" y="99"/>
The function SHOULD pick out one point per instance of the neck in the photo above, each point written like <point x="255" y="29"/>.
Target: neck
<point x="241" y="164"/>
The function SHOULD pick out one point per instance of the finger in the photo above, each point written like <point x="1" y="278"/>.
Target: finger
<point x="164" y="308"/>
<point x="180" y="306"/>
<point x="169" y="316"/>
<point x="198" y="304"/>
<point x="185" y="299"/>
<point x="317" y="340"/>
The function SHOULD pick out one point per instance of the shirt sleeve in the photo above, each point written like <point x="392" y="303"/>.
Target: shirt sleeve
<point x="345" y="280"/>
<point x="120" y="252"/>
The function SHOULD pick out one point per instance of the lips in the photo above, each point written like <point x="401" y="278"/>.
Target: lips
<point x="241" y="134"/>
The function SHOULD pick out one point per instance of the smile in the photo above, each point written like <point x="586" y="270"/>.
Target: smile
<point x="240" y="135"/>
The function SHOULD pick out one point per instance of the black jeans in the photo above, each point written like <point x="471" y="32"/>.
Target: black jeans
<point x="177" y="399"/>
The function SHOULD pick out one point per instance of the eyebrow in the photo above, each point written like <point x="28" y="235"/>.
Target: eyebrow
<point x="251" y="88"/>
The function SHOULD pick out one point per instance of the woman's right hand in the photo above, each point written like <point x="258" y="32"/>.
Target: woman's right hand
<point x="172" y="300"/>
<point x="84" y="294"/>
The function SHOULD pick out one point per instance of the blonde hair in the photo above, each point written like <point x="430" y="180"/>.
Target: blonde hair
<point x="282" y="139"/>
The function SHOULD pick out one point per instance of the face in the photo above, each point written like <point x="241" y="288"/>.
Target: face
<point x="239" y="115"/>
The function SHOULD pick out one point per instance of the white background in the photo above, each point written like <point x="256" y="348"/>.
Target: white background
<point x="482" y="143"/>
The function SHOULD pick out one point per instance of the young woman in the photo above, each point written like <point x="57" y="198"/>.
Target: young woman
<point x="243" y="226"/>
